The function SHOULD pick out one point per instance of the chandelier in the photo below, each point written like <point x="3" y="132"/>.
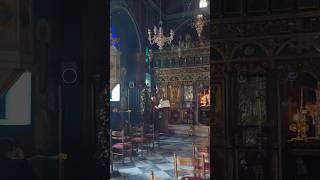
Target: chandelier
<point x="199" y="24"/>
<point x="199" y="21"/>
<point x="158" y="37"/>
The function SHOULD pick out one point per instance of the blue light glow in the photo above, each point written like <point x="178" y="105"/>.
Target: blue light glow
<point x="113" y="36"/>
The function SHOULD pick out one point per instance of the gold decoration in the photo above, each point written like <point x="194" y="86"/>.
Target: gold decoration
<point x="158" y="37"/>
<point x="199" y="24"/>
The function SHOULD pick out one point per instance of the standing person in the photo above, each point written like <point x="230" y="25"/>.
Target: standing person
<point x="154" y="114"/>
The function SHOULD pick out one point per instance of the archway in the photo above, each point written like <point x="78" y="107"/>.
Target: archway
<point x="124" y="27"/>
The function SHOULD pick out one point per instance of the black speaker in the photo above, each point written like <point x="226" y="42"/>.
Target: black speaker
<point x="69" y="72"/>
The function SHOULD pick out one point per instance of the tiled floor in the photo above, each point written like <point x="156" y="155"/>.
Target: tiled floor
<point x="158" y="160"/>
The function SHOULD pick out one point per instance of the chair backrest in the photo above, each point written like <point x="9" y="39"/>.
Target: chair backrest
<point x="117" y="135"/>
<point x="187" y="165"/>
<point x="137" y="131"/>
<point x="202" y="152"/>
<point x="150" y="128"/>
<point x="200" y="149"/>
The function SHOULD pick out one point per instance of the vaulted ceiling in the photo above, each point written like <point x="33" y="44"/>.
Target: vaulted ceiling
<point x="174" y="9"/>
<point x="234" y="8"/>
<point x="176" y="6"/>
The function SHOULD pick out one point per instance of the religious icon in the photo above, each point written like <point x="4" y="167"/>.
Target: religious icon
<point x="305" y="122"/>
<point x="205" y="97"/>
<point x="163" y="92"/>
<point x="188" y="93"/>
<point x="174" y="94"/>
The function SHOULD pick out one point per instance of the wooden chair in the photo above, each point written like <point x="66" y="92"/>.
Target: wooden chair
<point x="122" y="146"/>
<point x="152" y="135"/>
<point x="190" y="166"/>
<point x="202" y="151"/>
<point x="137" y="137"/>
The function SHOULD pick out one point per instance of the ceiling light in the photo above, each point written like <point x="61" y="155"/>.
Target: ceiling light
<point x="199" y="23"/>
<point x="158" y="36"/>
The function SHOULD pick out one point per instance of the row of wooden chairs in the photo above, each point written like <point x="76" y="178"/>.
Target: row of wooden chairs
<point x="198" y="164"/>
<point x="131" y="138"/>
<point x="189" y="165"/>
<point x="197" y="167"/>
<point x="202" y="151"/>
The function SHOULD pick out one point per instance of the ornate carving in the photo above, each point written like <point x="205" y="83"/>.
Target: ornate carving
<point x="266" y="27"/>
<point x="183" y="74"/>
<point x="231" y="47"/>
<point x="251" y="109"/>
<point x="272" y="44"/>
<point x="251" y="68"/>
<point x="221" y="47"/>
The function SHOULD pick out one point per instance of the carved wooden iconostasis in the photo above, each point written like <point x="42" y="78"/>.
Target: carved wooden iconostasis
<point x="183" y="77"/>
<point x="300" y="107"/>
<point x="266" y="123"/>
<point x="299" y="113"/>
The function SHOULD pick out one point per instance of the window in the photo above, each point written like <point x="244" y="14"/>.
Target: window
<point x="115" y="93"/>
<point x="16" y="106"/>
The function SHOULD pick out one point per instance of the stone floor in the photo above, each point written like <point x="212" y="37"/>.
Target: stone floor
<point x="158" y="160"/>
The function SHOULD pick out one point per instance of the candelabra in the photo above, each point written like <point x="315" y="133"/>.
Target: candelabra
<point x="158" y="37"/>
<point x="299" y="124"/>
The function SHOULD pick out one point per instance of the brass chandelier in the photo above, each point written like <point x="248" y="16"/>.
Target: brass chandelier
<point x="199" y="20"/>
<point x="199" y="24"/>
<point x="158" y="37"/>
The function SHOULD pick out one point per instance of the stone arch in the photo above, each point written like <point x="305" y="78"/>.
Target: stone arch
<point x="310" y="73"/>
<point x="296" y="45"/>
<point x="122" y="6"/>
<point x="216" y="54"/>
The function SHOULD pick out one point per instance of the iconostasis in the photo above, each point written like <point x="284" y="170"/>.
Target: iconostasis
<point x="184" y="80"/>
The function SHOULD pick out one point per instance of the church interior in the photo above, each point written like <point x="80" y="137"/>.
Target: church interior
<point x="159" y="89"/>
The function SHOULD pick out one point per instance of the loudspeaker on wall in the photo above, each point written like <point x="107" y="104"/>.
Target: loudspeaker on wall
<point x="69" y="72"/>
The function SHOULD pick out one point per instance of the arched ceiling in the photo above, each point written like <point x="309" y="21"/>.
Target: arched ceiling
<point x="123" y="27"/>
<point x="178" y="9"/>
